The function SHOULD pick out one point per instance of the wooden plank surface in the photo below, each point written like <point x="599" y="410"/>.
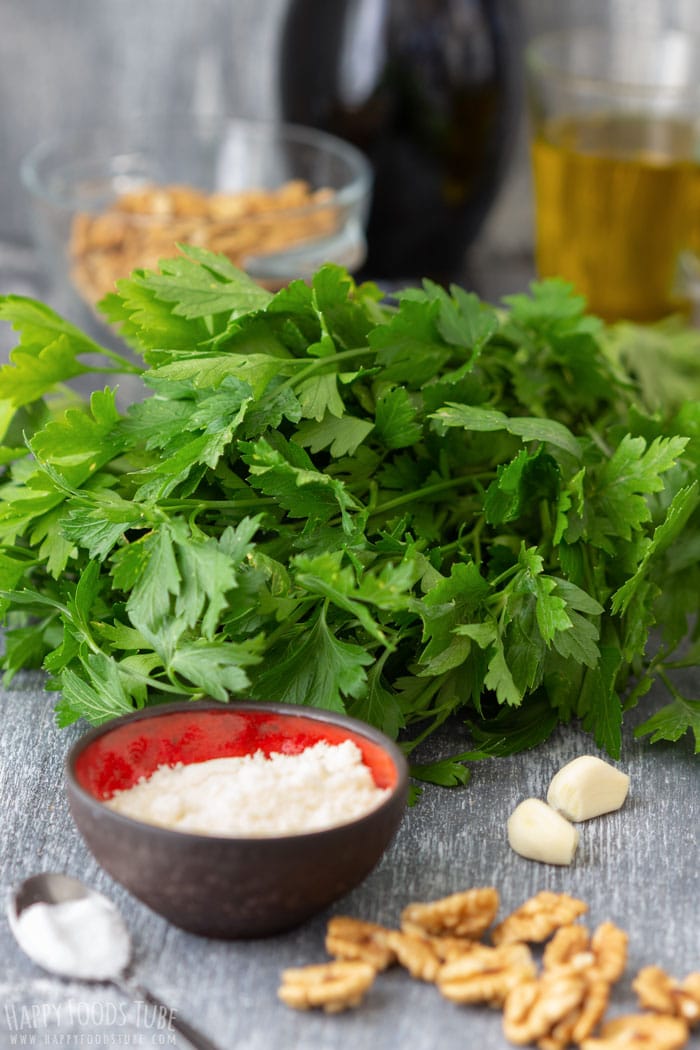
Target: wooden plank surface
<point x="639" y="867"/>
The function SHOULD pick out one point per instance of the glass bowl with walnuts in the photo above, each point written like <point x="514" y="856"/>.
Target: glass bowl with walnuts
<point x="277" y="199"/>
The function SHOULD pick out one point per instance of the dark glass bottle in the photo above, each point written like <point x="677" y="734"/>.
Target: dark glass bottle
<point x="428" y="89"/>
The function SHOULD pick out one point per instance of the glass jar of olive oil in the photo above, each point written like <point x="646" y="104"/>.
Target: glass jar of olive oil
<point x="616" y="169"/>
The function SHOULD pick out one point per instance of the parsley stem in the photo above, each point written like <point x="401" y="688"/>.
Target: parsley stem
<point x="441" y="715"/>
<point x="289" y="621"/>
<point x="655" y="667"/>
<point x="505" y="575"/>
<point x="416" y="494"/>
<point x="674" y="692"/>
<point x="215" y="504"/>
<point x="125" y="367"/>
<point x="319" y="362"/>
<point x="164" y="686"/>
<point x="471" y="538"/>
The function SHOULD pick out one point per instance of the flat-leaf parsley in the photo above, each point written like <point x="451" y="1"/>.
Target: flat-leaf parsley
<point x="408" y="510"/>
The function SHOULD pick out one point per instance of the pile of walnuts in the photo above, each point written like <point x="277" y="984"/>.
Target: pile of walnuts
<point x="143" y="226"/>
<point x="553" y="1005"/>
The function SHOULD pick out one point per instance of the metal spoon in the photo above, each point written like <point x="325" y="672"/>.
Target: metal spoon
<point x="53" y="888"/>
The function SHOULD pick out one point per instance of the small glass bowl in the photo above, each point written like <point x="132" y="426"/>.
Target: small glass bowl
<point x="278" y="199"/>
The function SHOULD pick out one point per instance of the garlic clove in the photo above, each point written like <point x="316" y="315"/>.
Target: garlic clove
<point x="587" y="787"/>
<point x="538" y="832"/>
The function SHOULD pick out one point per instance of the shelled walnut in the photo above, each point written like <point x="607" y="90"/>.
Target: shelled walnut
<point x="657" y="991"/>
<point x="603" y="953"/>
<point x="467" y="914"/>
<point x="348" y="938"/>
<point x="562" y="1006"/>
<point x="536" y="1007"/>
<point x="486" y="975"/>
<point x="538" y="918"/>
<point x="422" y="954"/>
<point x="416" y="954"/>
<point x="640" y="1032"/>
<point x="333" y="986"/>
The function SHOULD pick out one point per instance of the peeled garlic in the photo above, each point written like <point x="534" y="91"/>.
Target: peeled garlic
<point x="587" y="787"/>
<point x="538" y="832"/>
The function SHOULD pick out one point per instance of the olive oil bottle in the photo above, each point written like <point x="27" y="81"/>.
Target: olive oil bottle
<point x="427" y="88"/>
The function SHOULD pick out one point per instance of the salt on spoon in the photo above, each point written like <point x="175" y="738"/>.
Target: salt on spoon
<point x="74" y="931"/>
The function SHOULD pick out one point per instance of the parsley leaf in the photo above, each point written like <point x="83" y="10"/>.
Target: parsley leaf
<point x="673" y="721"/>
<point x="318" y="669"/>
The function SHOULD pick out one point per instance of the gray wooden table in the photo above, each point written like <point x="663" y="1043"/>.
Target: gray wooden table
<point x="639" y="867"/>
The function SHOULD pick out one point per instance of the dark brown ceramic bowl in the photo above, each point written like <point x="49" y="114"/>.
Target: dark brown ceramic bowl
<point x="228" y="887"/>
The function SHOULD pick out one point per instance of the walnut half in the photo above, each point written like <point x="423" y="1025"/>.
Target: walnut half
<point x="603" y="955"/>
<point x="415" y="953"/>
<point x="538" y="918"/>
<point x="486" y="975"/>
<point x="535" y="1008"/>
<point x="333" y="986"/>
<point x="467" y="914"/>
<point x="657" y="991"/>
<point x="348" y="938"/>
<point x="640" y="1032"/>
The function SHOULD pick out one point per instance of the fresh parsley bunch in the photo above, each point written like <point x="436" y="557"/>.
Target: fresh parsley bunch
<point x="405" y="510"/>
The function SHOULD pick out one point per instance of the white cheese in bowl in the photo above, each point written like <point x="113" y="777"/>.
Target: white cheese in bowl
<point x="257" y="795"/>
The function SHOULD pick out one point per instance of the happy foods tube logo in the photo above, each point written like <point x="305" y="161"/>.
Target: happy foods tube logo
<point x="78" y="1023"/>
